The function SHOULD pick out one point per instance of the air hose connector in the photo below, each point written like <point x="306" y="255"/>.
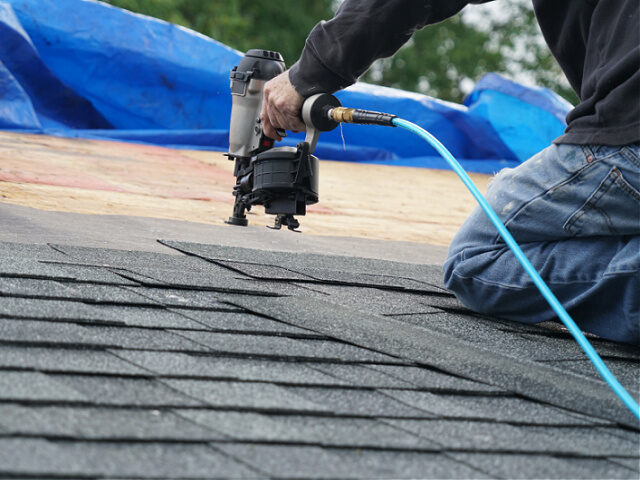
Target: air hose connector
<point x="362" y="117"/>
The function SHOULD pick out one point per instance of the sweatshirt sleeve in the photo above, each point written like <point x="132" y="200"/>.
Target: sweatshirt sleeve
<point x="338" y="51"/>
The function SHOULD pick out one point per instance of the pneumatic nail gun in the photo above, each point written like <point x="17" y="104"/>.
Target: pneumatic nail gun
<point x="282" y="179"/>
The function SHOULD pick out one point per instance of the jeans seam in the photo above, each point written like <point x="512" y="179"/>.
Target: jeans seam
<point x="497" y="238"/>
<point x="591" y="203"/>
<point x="620" y="272"/>
<point x="586" y="150"/>
<point x="607" y="219"/>
<point x="626" y="186"/>
<point x="609" y="155"/>
<point x="627" y="153"/>
<point x="521" y="287"/>
<point x="490" y="283"/>
<point x="613" y="178"/>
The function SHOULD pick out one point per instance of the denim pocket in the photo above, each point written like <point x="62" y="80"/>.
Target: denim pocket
<point x="613" y="209"/>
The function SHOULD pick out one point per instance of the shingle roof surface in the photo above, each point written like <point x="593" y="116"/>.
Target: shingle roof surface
<point x="229" y="362"/>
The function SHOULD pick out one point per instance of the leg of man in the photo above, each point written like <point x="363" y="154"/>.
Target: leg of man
<point x="575" y="211"/>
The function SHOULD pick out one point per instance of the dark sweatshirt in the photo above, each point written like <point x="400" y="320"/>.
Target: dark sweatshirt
<point x="596" y="42"/>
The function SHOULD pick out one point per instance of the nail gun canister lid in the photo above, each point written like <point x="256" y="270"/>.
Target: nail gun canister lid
<point x="263" y="64"/>
<point x="256" y="52"/>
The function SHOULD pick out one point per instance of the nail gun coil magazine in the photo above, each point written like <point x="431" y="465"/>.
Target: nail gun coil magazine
<point x="284" y="180"/>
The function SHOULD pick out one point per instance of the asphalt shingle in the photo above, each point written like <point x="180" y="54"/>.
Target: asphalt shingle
<point x="428" y="379"/>
<point x="27" y="268"/>
<point x="49" y="333"/>
<point x="34" y="457"/>
<point x="305" y="429"/>
<point x="53" y="310"/>
<point x="94" y="314"/>
<point x="625" y="371"/>
<point x="350" y="401"/>
<point x="312" y="462"/>
<point x="499" y="437"/>
<point x="125" y="391"/>
<point x="66" y="360"/>
<point x="181" y="298"/>
<point x="360" y="376"/>
<point x="431" y="274"/>
<point x="342" y="277"/>
<point x="274" y="288"/>
<point x="446" y="352"/>
<point x="373" y="300"/>
<point x="30" y="251"/>
<point x="392" y="464"/>
<point x="482" y="333"/>
<point x="106" y="257"/>
<point x="547" y="466"/>
<point x="141" y="338"/>
<point x="304" y="273"/>
<point x="574" y="352"/>
<point x="498" y="409"/>
<point x="245" y="395"/>
<point x="222" y="281"/>
<point x="110" y="294"/>
<point x="99" y="423"/>
<point x="148" y="317"/>
<point x="79" y="273"/>
<point x="35" y="288"/>
<point x="266" y="272"/>
<point x="243" y="322"/>
<point x="632" y="464"/>
<point x="268" y="364"/>
<point x="212" y="367"/>
<point x="35" y="386"/>
<point x="281" y="347"/>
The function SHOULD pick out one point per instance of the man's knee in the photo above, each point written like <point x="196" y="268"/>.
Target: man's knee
<point x="462" y="273"/>
<point x="487" y="278"/>
<point x="601" y="294"/>
<point x="468" y="271"/>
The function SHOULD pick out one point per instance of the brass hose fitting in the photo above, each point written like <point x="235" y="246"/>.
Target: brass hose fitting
<point x="342" y="114"/>
<point x="363" y="117"/>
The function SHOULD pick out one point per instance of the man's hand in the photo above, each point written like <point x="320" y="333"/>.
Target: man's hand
<point x="281" y="106"/>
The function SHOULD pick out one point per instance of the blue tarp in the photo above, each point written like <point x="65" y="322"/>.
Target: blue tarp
<point x="81" y="68"/>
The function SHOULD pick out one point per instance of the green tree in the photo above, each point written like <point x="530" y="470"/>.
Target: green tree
<point x="442" y="60"/>
<point x="438" y="60"/>
<point x="527" y="57"/>
<point x="242" y="24"/>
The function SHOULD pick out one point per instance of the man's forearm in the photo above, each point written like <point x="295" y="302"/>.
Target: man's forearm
<point x="338" y="51"/>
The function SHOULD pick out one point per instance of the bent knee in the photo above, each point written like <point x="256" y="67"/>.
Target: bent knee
<point x="487" y="280"/>
<point x="461" y="276"/>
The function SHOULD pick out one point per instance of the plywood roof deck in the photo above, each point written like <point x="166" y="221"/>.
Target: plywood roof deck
<point x="104" y="177"/>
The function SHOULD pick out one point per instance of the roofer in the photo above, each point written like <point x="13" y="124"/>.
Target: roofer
<point x="574" y="207"/>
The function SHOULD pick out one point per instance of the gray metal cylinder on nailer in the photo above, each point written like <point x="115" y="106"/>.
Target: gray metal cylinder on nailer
<point x="247" y="81"/>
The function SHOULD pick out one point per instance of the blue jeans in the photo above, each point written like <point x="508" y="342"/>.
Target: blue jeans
<point x="575" y="211"/>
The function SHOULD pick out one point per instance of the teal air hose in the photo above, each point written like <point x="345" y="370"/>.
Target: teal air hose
<point x="351" y="115"/>
<point x="602" y="369"/>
